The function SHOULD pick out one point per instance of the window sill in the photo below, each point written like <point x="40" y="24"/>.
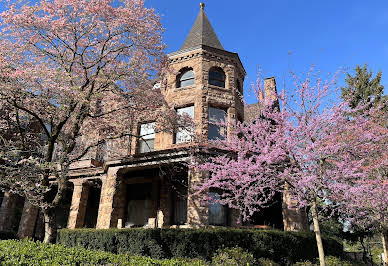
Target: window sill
<point x="208" y="86"/>
<point x="184" y="88"/>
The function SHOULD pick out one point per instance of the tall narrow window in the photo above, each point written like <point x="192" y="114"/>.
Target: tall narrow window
<point x="147" y="137"/>
<point x="216" y="130"/>
<point x="217" y="77"/>
<point x="185" y="78"/>
<point x="217" y="212"/>
<point x="238" y="86"/>
<point x="185" y="134"/>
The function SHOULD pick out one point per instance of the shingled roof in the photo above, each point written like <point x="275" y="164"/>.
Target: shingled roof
<point x="202" y="33"/>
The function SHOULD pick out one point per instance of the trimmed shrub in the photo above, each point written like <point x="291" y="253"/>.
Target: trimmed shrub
<point x="330" y="261"/>
<point x="279" y="246"/>
<point x="334" y="261"/>
<point x="304" y="263"/>
<point x="27" y="252"/>
<point x="233" y="257"/>
<point x="4" y="235"/>
<point x="266" y="262"/>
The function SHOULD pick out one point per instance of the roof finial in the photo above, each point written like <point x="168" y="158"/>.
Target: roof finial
<point x="202" y="6"/>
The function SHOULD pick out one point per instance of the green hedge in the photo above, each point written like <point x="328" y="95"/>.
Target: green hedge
<point x="331" y="261"/>
<point x="7" y="235"/>
<point x="27" y="252"/>
<point x="279" y="246"/>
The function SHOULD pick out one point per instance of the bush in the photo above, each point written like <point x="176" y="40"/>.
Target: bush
<point x="279" y="246"/>
<point x="266" y="262"/>
<point x="330" y="261"/>
<point x="27" y="252"/>
<point x="4" y="235"/>
<point x="233" y="257"/>
<point x="334" y="261"/>
<point x="304" y="263"/>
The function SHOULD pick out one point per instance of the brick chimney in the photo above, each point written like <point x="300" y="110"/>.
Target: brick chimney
<point x="270" y="89"/>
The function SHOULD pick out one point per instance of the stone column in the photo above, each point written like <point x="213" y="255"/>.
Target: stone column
<point x="7" y="211"/>
<point x="294" y="219"/>
<point x="78" y="204"/>
<point x="107" y="211"/>
<point x="197" y="210"/>
<point x="120" y="202"/>
<point x="28" y="220"/>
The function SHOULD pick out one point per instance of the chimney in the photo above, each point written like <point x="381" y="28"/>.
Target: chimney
<point x="261" y="95"/>
<point x="270" y="90"/>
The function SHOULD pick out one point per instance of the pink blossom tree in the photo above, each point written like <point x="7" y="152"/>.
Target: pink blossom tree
<point x="70" y="71"/>
<point x="295" y="148"/>
<point x="361" y="199"/>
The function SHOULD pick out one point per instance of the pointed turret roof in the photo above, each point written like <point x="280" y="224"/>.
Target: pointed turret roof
<point x="202" y="33"/>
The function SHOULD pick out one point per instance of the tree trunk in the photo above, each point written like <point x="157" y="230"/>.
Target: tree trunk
<point x="318" y="234"/>
<point x="364" y="252"/>
<point x="384" y="238"/>
<point x="50" y="226"/>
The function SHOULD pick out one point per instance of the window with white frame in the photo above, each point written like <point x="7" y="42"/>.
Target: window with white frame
<point x="216" y="128"/>
<point x="185" y="134"/>
<point x="147" y="137"/>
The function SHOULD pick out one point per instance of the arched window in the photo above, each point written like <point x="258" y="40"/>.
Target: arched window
<point x="185" y="78"/>
<point x="217" y="77"/>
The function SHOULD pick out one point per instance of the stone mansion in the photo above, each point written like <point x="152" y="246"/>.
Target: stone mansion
<point x="144" y="191"/>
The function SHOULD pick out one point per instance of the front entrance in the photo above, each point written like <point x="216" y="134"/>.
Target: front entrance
<point x="149" y="198"/>
<point x="139" y="204"/>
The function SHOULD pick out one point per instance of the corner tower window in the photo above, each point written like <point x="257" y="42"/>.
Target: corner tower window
<point x="216" y="130"/>
<point x="147" y="137"/>
<point x="185" y="78"/>
<point x="217" y="77"/>
<point x="185" y="134"/>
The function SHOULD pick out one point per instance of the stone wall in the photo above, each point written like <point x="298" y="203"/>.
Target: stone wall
<point x="294" y="219"/>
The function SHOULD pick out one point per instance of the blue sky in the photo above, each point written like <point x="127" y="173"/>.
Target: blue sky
<point x="280" y="35"/>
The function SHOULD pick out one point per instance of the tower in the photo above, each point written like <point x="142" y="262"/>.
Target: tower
<point x="205" y="82"/>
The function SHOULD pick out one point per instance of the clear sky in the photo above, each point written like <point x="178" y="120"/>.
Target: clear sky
<point x="284" y="35"/>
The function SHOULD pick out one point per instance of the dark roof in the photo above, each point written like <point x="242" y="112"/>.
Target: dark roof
<point x="202" y="33"/>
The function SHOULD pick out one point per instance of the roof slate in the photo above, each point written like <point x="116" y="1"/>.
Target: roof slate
<point x="202" y="33"/>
